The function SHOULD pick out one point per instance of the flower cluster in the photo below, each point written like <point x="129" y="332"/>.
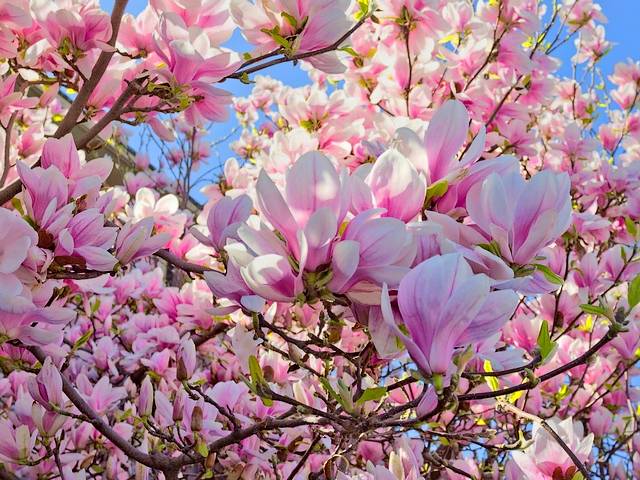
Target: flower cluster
<point x="422" y="264"/>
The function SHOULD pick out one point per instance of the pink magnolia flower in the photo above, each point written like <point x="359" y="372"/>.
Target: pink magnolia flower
<point x="135" y="240"/>
<point x="194" y="64"/>
<point x="47" y="422"/>
<point x="83" y="178"/>
<point x="212" y="16"/>
<point x="544" y="457"/>
<point x="224" y="219"/>
<point x="391" y="183"/>
<point x="15" y="443"/>
<point x="600" y="421"/>
<point x="46" y="386"/>
<point x="12" y="100"/>
<point x="372" y="250"/>
<point x="521" y="217"/>
<point x="90" y="27"/>
<point x="21" y="318"/>
<point x="186" y="358"/>
<point x="45" y="192"/>
<point x="232" y="288"/>
<point x="145" y="398"/>
<point x="86" y="236"/>
<point x="457" y="309"/>
<point x="16" y="238"/>
<point x="310" y="25"/>
<point x="316" y="211"/>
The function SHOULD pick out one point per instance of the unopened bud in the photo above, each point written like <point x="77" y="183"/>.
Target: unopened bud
<point x="178" y="406"/>
<point x="181" y="371"/>
<point x="210" y="460"/>
<point x="196" y="419"/>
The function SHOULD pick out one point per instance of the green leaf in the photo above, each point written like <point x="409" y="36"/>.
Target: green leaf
<point x="95" y="306"/>
<point x="280" y="40"/>
<point x="364" y="9"/>
<point x="333" y="394"/>
<point x="549" y="274"/>
<point x="437" y="189"/>
<point x="290" y="19"/>
<point x="372" y="394"/>
<point x="83" y="339"/>
<point x="544" y="341"/>
<point x="632" y="228"/>
<point x="258" y="381"/>
<point x="578" y="476"/>
<point x="593" y="309"/>
<point x="634" y="292"/>
<point x="255" y="370"/>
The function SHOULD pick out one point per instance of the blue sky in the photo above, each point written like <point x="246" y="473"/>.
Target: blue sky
<point x="622" y="29"/>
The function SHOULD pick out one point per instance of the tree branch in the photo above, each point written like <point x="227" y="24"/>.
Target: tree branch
<point x="507" y="407"/>
<point x="301" y="56"/>
<point x="69" y="121"/>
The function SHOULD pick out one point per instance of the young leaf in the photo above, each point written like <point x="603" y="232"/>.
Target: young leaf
<point x="290" y="19"/>
<point x="437" y="190"/>
<point x="374" y="394"/>
<point x="255" y="371"/>
<point x="634" y="292"/>
<point x="593" y="309"/>
<point x="549" y="274"/>
<point x="632" y="228"/>
<point x="544" y="341"/>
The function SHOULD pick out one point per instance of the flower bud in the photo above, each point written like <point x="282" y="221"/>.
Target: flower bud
<point x="196" y="419"/>
<point x="145" y="400"/>
<point x="178" y="406"/>
<point x="186" y="364"/>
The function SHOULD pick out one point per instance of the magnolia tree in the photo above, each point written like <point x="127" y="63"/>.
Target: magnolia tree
<point x="422" y="265"/>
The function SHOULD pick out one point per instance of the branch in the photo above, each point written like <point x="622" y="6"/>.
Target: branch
<point x="159" y="462"/>
<point x="301" y="56"/>
<point x="217" y="329"/>
<point x="610" y="335"/>
<point x="304" y="458"/>
<point x="6" y="474"/>
<point x="181" y="264"/>
<point x="239" y="435"/>
<point x="507" y="407"/>
<point x="7" y="148"/>
<point x="97" y="72"/>
<point x="113" y="113"/>
<point x="69" y="121"/>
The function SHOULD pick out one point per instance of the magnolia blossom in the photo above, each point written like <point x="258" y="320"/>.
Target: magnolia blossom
<point x="445" y="306"/>
<point x="521" y="217"/>
<point x="135" y="240"/>
<point x="544" y="459"/>
<point x="311" y="25"/>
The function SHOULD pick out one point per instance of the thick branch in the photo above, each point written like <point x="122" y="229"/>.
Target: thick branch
<point x="97" y="72"/>
<point x="69" y="121"/>
<point x="7" y="148"/>
<point x="181" y="264"/>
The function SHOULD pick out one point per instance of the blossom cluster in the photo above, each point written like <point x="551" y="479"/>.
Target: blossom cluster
<point x="422" y="264"/>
